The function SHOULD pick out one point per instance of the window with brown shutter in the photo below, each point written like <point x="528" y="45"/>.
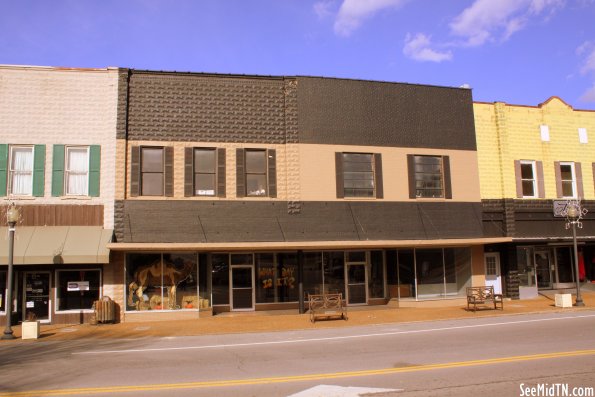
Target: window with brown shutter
<point x="152" y="171"/>
<point x="256" y="173"/>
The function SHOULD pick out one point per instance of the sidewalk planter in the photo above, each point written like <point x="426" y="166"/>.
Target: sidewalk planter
<point x="30" y="329"/>
<point x="563" y="300"/>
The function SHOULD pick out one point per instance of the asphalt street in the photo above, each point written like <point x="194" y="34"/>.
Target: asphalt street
<point x="489" y="356"/>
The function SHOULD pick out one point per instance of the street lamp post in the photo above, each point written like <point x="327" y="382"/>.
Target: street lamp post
<point x="574" y="214"/>
<point x="12" y="216"/>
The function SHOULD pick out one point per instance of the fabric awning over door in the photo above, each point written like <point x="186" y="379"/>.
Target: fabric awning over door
<point x="57" y="245"/>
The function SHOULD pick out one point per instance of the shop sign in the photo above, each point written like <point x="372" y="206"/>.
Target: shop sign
<point x="560" y="208"/>
<point x="78" y="286"/>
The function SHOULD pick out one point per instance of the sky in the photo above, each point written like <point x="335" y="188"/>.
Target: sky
<point x="514" y="51"/>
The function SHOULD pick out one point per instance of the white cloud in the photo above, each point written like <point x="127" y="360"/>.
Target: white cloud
<point x="323" y="8"/>
<point x="589" y="95"/>
<point x="587" y="52"/>
<point x="418" y="47"/>
<point x="489" y="20"/>
<point x="353" y="12"/>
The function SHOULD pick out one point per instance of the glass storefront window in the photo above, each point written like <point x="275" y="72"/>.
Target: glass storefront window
<point x="430" y="273"/>
<point x="564" y="265"/>
<point x="313" y="281"/>
<point x="204" y="281"/>
<point x="526" y="266"/>
<point x="77" y="289"/>
<point x="406" y="265"/>
<point x="162" y="282"/>
<point x="457" y="267"/>
<point x="220" y="278"/>
<point x="266" y="278"/>
<point x="392" y="279"/>
<point x="334" y="272"/>
<point x="376" y="277"/>
<point x="276" y="278"/>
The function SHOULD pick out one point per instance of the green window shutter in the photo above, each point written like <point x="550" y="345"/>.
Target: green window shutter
<point x="94" y="170"/>
<point x="58" y="171"/>
<point x="38" y="170"/>
<point x="3" y="169"/>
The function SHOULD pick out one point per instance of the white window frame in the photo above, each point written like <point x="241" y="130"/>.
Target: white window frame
<point x="67" y="171"/>
<point x="534" y="179"/>
<point x="573" y="170"/>
<point x="12" y="172"/>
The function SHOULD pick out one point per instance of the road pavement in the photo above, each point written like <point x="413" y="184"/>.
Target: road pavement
<point x="485" y="355"/>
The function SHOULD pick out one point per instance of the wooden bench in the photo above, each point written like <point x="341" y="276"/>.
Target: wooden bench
<point x="483" y="295"/>
<point x="326" y="305"/>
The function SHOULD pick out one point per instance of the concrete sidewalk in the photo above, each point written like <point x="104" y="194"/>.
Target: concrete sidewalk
<point x="290" y="320"/>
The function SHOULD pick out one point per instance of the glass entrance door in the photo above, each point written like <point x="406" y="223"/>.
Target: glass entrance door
<point x="356" y="284"/>
<point x="36" y="296"/>
<point x="242" y="287"/>
<point x="543" y="269"/>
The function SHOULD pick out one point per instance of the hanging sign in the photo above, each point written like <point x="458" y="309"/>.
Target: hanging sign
<point x="560" y="208"/>
<point x="78" y="286"/>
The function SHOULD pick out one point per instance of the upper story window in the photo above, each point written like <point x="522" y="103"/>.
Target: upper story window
<point x="582" y="135"/>
<point x="204" y="173"/>
<point x="77" y="171"/>
<point x="21" y="171"/>
<point x="151" y="169"/>
<point x="568" y="179"/>
<point x="529" y="179"/>
<point x="358" y="175"/>
<point x="256" y="173"/>
<point x="429" y="176"/>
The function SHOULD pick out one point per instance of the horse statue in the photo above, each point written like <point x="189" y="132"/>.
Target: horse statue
<point x="151" y="274"/>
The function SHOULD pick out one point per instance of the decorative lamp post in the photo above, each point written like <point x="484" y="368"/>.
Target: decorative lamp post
<point x="574" y="213"/>
<point x="12" y="217"/>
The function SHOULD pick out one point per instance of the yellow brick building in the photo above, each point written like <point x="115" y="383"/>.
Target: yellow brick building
<point x="506" y="133"/>
<point x="530" y="158"/>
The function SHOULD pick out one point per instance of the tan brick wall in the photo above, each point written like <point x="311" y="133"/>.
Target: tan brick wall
<point x="318" y="180"/>
<point x="506" y="133"/>
<point x="307" y="172"/>
<point x="230" y="168"/>
<point x="62" y="106"/>
<point x="114" y="281"/>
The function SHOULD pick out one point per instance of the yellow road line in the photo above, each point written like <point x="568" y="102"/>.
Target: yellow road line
<point x="295" y="378"/>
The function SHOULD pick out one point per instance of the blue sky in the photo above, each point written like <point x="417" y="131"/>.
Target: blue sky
<point x="516" y="51"/>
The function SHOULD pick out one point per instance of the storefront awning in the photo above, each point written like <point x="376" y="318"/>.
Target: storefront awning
<point x="57" y="245"/>
<point x="305" y="245"/>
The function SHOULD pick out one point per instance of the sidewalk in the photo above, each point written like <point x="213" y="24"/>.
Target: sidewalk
<point x="290" y="320"/>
